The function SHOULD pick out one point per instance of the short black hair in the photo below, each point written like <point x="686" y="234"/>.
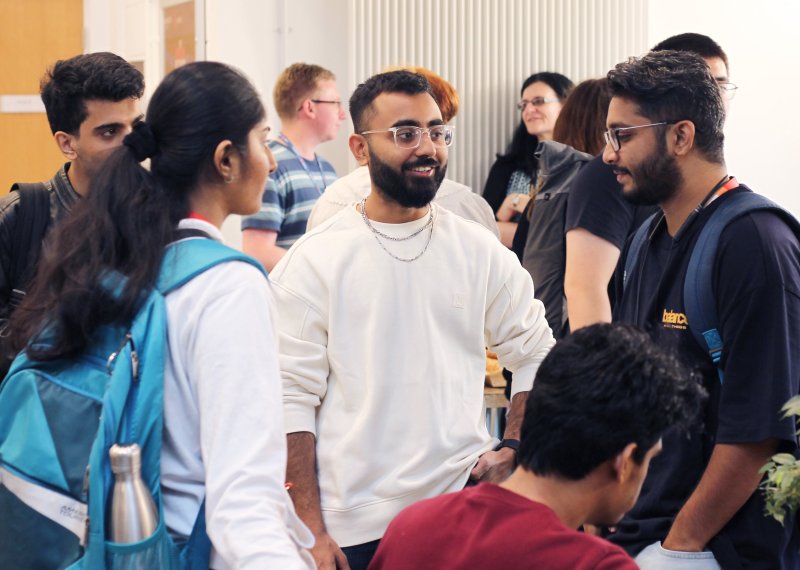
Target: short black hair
<point x="67" y="86"/>
<point x="598" y="390"/>
<point x="389" y="82"/>
<point x="702" y="45"/>
<point x="674" y="86"/>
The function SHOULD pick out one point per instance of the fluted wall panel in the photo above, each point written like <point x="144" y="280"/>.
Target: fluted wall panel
<point x="486" y="48"/>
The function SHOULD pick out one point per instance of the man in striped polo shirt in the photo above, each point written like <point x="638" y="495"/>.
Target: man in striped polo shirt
<point x="310" y="108"/>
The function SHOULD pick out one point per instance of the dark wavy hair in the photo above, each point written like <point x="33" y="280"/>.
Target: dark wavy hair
<point x="582" y="120"/>
<point x="523" y="145"/>
<point x="598" y="390"/>
<point x="67" y="86"/>
<point x="400" y="81"/>
<point x="122" y="227"/>
<point x="674" y="86"/>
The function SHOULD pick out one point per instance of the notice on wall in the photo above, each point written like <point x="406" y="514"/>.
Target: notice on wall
<point x="179" y="35"/>
<point x="21" y="104"/>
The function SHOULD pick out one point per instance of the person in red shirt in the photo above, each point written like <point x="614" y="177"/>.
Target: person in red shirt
<point x="602" y="399"/>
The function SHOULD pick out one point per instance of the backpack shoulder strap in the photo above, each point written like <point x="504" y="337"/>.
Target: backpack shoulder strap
<point x="698" y="296"/>
<point x="187" y="258"/>
<point x="33" y="217"/>
<point x="635" y="248"/>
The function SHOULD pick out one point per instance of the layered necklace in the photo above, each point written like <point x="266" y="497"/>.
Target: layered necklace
<point x="379" y="234"/>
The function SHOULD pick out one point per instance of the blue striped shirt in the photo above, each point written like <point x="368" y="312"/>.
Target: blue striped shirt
<point x="291" y="193"/>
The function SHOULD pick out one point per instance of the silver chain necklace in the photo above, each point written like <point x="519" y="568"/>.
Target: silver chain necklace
<point x="393" y="238"/>
<point x="377" y="233"/>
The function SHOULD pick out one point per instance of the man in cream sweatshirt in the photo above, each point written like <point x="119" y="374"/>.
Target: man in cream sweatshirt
<point x="384" y="313"/>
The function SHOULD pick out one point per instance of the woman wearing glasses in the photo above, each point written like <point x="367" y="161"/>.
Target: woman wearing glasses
<point x="508" y="186"/>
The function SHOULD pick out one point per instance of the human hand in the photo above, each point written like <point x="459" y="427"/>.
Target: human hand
<point x="517" y="202"/>
<point x="494" y="466"/>
<point x="327" y="553"/>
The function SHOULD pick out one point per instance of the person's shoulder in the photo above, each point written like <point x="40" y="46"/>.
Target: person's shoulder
<point x="606" y="556"/>
<point x="326" y="164"/>
<point x="324" y="241"/>
<point x="349" y="188"/>
<point x="468" y="229"/>
<point x="9" y="201"/>
<point x="765" y="225"/>
<point x="596" y="177"/>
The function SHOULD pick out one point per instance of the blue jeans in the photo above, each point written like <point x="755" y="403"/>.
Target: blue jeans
<point x="360" y="555"/>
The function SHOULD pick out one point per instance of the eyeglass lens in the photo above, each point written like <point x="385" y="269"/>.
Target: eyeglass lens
<point x="410" y="137"/>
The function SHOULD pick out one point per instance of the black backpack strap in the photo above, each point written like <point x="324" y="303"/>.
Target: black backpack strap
<point x="33" y="217"/>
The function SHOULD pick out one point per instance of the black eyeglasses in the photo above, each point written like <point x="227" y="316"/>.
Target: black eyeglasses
<point x="337" y="103"/>
<point x="612" y="135"/>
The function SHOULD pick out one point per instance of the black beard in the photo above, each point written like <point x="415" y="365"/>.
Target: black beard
<point x="393" y="185"/>
<point x="656" y="180"/>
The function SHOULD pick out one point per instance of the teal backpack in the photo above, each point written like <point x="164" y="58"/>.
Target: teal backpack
<point x="58" y="420"/>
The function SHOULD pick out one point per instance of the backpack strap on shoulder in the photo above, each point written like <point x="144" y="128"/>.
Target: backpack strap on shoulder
<point x="698" y="295"/>
<point x="187" y="258"/>
<point x="635" y="248"/>
<point x="33" y="217"/>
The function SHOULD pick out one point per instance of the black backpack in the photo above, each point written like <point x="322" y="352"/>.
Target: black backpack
<point x="33" y="219"/>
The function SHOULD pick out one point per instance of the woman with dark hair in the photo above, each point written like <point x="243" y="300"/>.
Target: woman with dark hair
<point x="578" y="136"/>
<point x="223" y="437"/>
<point x="510" y="179"/>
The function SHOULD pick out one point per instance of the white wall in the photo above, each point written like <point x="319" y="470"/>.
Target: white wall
<point x="763" y="127"/>
<point x="261" y="37"/>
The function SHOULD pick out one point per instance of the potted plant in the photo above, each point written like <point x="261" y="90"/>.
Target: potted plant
<point x="782" y="483"/>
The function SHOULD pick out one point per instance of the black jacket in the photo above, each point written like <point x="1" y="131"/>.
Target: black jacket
<point x="62" y="198"/>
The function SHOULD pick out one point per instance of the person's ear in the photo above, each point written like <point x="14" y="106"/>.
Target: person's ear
<point x="306" y="108"/>
<point x="227" y="161"/>
<point x="358" y="146"/>
<point x="683" y="137"/>
<point x="624" y="464"/>
<point x="66" y="144"/>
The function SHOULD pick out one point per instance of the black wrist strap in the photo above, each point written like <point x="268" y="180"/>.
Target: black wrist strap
<point x="511" y="443"/>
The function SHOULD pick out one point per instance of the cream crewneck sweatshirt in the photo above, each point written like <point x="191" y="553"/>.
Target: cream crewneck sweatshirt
<point x="384" y="360"/>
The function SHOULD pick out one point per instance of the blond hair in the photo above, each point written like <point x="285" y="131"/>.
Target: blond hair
<point x="295" y="84"/>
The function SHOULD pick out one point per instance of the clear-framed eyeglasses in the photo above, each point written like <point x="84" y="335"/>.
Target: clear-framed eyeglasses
<point x="727" y="89"/>
<point x="536" y="102"/>
<point x="411" y="137"/>
<point x="612" y="135"/>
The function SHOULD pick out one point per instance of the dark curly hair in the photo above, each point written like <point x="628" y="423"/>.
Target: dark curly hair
<point x="67" y="86"/>
<point x="674" y="86"/>
<point x="598" y="390"/>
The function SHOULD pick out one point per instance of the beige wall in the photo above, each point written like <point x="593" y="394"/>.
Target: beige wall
<point x="33" y="34"/>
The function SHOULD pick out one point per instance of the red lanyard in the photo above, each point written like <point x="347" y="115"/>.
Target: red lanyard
<point x="196" y="216"/>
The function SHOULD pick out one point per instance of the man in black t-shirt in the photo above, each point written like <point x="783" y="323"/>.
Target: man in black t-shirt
<point x="599" y="220"/>
<point x="665" y="145"/>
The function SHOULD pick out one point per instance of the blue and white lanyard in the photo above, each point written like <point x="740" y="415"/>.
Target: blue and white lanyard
<point x="284" y="140"/>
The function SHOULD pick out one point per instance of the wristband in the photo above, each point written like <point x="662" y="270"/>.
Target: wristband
<point x="510" y="443"/>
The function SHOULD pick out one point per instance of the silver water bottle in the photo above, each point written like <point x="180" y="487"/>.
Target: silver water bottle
<point x="133" y="513"/>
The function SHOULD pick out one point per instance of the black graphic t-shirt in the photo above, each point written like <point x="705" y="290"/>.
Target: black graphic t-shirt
<point x="756" y="284"/>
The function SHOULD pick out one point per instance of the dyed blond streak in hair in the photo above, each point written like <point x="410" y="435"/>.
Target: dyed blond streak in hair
<point x="444" y="93"/>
